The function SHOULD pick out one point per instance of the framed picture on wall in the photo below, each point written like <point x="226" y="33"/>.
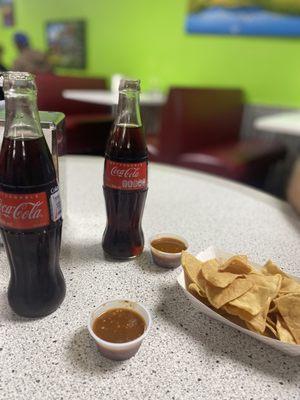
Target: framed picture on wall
<point x="244" y="17"/>
<point x="7" y="11"/>
<point x="67" y="43"/>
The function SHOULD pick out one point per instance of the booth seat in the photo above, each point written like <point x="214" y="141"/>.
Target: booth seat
<point x="200" y="129"/>
<point x="87" y="125"/>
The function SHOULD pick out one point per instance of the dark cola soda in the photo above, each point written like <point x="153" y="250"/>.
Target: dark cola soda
<point x="30" y="209"/>
<point x="125" y="178"/>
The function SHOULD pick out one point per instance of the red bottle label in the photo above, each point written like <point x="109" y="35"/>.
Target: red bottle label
<point x="126" y="176"/>
<point x="24" y="211"/>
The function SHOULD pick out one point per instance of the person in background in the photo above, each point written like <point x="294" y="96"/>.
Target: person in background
<point x="29" y="60"/>
<point x="2" y="68"/>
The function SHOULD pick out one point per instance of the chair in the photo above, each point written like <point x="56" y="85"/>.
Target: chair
<point x="87" y="125"/>
<point x="200" y="130"/>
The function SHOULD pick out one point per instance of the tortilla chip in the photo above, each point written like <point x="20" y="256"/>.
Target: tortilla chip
<point x="201" y="283"/>
<point x="282" y="331"/>
<point x="268" y="333"/>
<point x="210" y="272"/>
<point x="272" y="329"/>
<point x="289" y="308"/>
<point x="289" y="285"/>
<point x="192" y="266"/>
<point x="252" y="329"/>
<point x="266" y="301"/>
<point x="270" y="321"/>
<point x="253" y="301"/>
<point x="264" y="290"/>
<point x="273" y="308"/>
<point x="196" y="291"/>
<point x="237" y="265"/>
<point x="232" y="310"/>
<point x="272" y="269"/>
<point x="257" y="322"/>
<point x="272" y="282"/>
<point x="220" y="296"/>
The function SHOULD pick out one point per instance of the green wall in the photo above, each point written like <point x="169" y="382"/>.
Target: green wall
<point x="146" y="39"/>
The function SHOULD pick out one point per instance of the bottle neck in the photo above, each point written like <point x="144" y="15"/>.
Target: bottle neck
<point x="21" y="116"/>
<point x="128" y="111"/>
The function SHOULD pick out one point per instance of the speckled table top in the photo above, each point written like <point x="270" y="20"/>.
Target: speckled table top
<point x="186" y="355"/>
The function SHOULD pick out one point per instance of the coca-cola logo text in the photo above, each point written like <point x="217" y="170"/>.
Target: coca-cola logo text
<point x="26" y="210"/>
<point x="125" y="173"/>
<point x="125" y="176"/>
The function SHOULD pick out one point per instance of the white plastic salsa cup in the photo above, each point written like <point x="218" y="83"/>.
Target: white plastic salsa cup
<point x="167" y="259"/>
<point x="119" y="351"/>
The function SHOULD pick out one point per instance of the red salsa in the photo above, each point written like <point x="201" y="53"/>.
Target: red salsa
<point x="168" y="245"/>
<point x="119" y="325"/>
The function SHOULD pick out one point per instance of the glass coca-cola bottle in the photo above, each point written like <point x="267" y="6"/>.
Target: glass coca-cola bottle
<point x="125" y="177"/>
<point x="30" y="208"/>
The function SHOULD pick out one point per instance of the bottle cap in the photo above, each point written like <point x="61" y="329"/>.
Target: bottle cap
<point x="129" y="84"/>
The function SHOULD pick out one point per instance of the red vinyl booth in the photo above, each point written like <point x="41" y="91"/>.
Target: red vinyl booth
<point x="87" y="125"/>
<point x="200" y="130"/>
